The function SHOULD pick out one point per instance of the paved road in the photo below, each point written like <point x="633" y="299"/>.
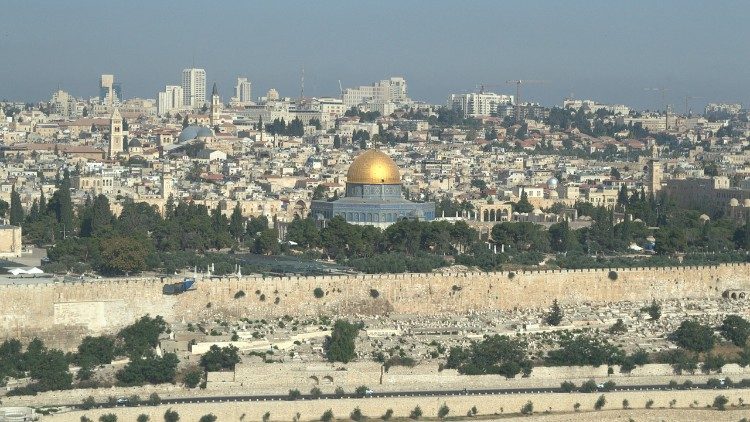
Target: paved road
<point x="395" y="394"/>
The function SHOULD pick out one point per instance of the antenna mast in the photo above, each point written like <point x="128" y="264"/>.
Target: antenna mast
<point x="302" y="85"/>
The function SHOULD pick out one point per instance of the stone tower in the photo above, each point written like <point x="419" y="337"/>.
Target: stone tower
<point x="166" y="182"/>
<point x="654" y="176"/>
<point x="215" y="106"/>
<point x="115" y="134"/>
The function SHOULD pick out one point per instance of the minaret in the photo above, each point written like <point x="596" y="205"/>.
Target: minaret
<point x="654" y="175"/>
<point x="215" y="106"/>
<point x="166" y="182"/>
<point x="115" y="134"/>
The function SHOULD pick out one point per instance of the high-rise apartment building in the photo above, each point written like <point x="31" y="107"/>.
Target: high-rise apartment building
<point x="110" y="92"/>
<point x="63" y="104"/>
<point x="387" y="91"/>
<point x="478" y="104"/>
<point x="194" y="87"/>
<point x="721" y="108"/>
<point x="242" y="92"/>
<point x="171" y="99"/>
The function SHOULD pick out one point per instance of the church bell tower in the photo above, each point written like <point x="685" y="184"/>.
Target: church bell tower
<point x="215" y="106"/>
<point x="115" y="135"/>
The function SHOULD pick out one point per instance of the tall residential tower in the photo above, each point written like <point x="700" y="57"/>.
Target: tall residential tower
<point x="170" y="100"/>
<point x="110" y="93"/>
<point x="194" y="87"/>
<point x="242" y="92"/>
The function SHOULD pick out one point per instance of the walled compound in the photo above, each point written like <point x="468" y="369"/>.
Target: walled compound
<point x="63" y="312"/>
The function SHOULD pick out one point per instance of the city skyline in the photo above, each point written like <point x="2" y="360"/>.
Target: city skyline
<point x="330" y="210"/>
<point x="606" y="52"/>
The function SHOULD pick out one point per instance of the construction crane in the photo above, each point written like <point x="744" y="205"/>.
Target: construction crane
<point x="663" y="92"/>
<point x="341" y="90"/>
<point x="687" y="99"/>
<point x="518" y="83"/>
<point x="482" y="86"/>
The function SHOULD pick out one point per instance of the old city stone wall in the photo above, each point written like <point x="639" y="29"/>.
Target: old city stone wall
<point x="63" y="312"/>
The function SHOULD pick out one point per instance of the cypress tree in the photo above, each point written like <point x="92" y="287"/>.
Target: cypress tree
<point x="16" y="209"/>
<point x="169" y="207"/>
<point x="42" y="204"/>
<point x="237" y="222"/>
<point x="33" y="212"/>
<point x="555" y="315"/>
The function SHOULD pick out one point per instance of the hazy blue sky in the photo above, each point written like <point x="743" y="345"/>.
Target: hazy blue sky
<point x="609" y="51"/>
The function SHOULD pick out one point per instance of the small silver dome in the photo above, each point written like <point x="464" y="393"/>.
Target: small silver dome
<point x="205" y="132"/>
<point x="193" y="132"/>
<point x="188" y="133"/>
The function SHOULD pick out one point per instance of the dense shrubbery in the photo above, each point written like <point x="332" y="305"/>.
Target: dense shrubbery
<point x="397" y="263"/>
<point x="493" y="355"/>
<point x="480" y="256"/>
<point x="149" y="369"/>
<point x="141" y="239"/>
<point x="49" y="368"/>
<point x="682" y="361"/>
<point x="585" y="350"/>
<point x="399" y="361"/>
<point x="220" y="358"/>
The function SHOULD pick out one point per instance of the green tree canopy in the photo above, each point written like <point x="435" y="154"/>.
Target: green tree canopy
<point x="555" y="315"/>
<point x="96" y="351"/>
<point x="220" y="358"/>
<point x="340" y="346"/>
<point x="149" y="369"/>
<point x="735" y="329"/>
<point x="692" y="335"/>
<point x="493" y="355"/>
<point x="141" y="337"/>
<point x="585" y="350"/>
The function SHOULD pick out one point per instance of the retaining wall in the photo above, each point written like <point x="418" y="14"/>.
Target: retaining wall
<point x="62" y="313"/>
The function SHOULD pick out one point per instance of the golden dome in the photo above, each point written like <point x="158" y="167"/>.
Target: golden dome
<point x="373" y="167"/>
